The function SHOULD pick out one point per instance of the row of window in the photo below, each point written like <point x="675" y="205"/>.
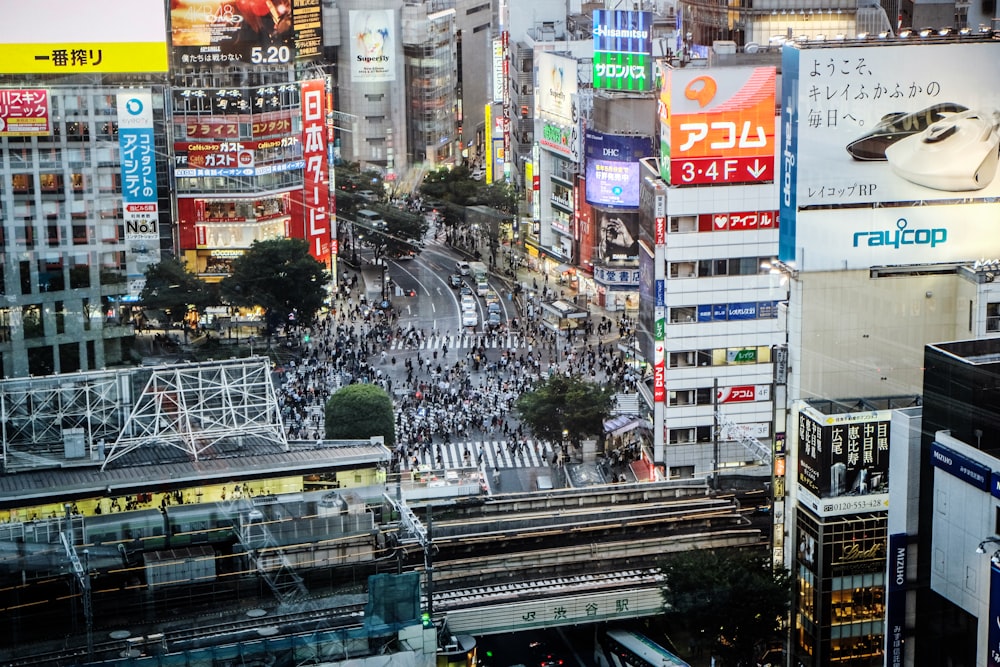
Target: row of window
<point x="734" y="266"/>
<point x="721" y="356"/>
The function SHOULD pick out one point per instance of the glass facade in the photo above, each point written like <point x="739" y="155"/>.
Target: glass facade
<point x="70" y="274"/>
<point x="432" y="132"/>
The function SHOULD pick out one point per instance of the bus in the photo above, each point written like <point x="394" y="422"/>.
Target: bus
<point x="479" y="273"/>
<point x="621" y="648"/>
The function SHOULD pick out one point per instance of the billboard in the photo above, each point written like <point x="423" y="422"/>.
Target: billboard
<point x="737" y="222"/>
<point x="373" y="45"/>
<point x="499" y="80"/>
<point x="248" y="32"/>
<point x="718" y="128"/>
<point x="138" y="165"/>
<point x="862" y="238"/>
<point x="70" y="37"/>
<point x="893" y="125"/>
<point x="622" y="50"/>
<point x="557" y="84"/>
<point x="843" y="454"/>
<point x="560" y="139"/>
<point x="613" y="169"/>
<point x="24" y="113"/>
<point x="617" y="237"/>
<point x="316" y="188"/>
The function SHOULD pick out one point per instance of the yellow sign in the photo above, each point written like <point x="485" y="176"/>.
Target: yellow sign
<point x="83" y="58"/>
<point x="488" y="148"/>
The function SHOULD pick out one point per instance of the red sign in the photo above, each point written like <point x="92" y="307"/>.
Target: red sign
<point x="721" y="125"/>
<point x="316" y="188"/>
<point x="661" y="231"/>
<point x="717" y="222"/>
<point x="745" y="393"/>
<point x="659" y="384"/>
<point x="24" y="113"/>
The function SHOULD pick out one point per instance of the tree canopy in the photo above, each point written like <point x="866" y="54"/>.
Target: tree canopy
<point x="358" y="412"/>
<point x="565" y="404"/>
<point x="172" y="288"/>
<point x="732" y="597"/>
<point x="403" y="233"/>
<point x="280" y="276"/>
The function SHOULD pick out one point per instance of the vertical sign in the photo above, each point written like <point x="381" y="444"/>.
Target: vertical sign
<point x="659" y="355"/>
<point x="317" y="193"/>
<point x="138" y="165"/>
<point x="895" y="614"/>
<point x="499" y="80"/>
<point x="488" y="148"/>
<point x="993" y="650"/>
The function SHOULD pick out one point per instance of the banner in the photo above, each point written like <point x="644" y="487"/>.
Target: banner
<point x="316" y="189"/>
<point x="138" y="165"/>
<point x="24" y="113"/>
<point x="373" y="45"/>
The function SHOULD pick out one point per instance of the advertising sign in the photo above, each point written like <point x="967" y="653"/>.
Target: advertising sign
<point x="844" y="454"/>
<point x="899" y="125"/>
<point x="556" y="87"/>
<point x="745" y="393"/>
<point x="248" y="32"/>
<point x="560" y="139"/>
<point x="221" y="158"/>
<point x="138" y="165"/>
<point x="498" y="78"/>
<point x="24" y="113"/>
<point x="737" y="222"/>
<point x="316" y="188"/>
<point x="718" y="128"/>
<point x="622" y="50"/>
<point x="895" y="600"/>
<point x="969" y="471"/>
<point x="618" y="235"/>
<point x="613" y="168"/>
<point x="373" y="45"/>
<point x="96" y="37"/>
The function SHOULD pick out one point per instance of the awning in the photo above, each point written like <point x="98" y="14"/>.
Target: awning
<point x="565" y="268"/>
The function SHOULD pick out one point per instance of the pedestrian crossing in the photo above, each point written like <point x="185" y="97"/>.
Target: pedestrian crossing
<point x="492" y="454"/>
<point x="457" y="342"/>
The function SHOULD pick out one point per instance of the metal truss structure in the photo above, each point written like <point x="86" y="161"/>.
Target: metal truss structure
<point x="70" y="419"/>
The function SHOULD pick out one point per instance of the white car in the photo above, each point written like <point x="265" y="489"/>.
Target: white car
<point x="468" y="302"/>
<point x="470" y="318"/>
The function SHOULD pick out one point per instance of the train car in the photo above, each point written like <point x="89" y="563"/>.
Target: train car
<point x="203" y="523"/>
<point x="138" y="530"/>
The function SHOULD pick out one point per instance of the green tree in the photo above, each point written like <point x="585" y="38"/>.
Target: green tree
<point x="359" y="411"/>
<point x="731" y="597"/>
<point x="403" y="233"/>
<point x="569" y="405"/>
<point x="280" y="276"/>
<point x="172" y="288"/>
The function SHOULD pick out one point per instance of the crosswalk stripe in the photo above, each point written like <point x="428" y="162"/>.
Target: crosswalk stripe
<point x="457" y="342"/>
<point x="496" y="454"/>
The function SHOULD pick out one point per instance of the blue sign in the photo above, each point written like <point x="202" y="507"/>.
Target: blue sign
<point x="621" y="31"/>
<point x="719" y="311"/>
<point x="742" y="311"/>
<point x="767" y="310"/>
<point x="995" y="488"/>
<point x="704" y="313"/>
<point x="138" y="165"/>
<point x="961" y="467"/>
<point x="661" y="293"/>
<point x="786" y="152"/>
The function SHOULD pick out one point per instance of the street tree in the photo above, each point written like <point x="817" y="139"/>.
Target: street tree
<point x="403" y="233"/>
<point x="172" y="288"/>
<point x="358" y="412"/>
<point x="565" y="408"/>
<point x="280" y="276"/>
<point x="733" y="598"/>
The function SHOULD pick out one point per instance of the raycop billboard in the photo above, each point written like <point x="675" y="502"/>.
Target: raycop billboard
<point x="888" y="127"/>
<point x="613" y="168"/>
<point x="844" y="459"/>
<point x="623" y="50"/>
<point x="718" y="127"/>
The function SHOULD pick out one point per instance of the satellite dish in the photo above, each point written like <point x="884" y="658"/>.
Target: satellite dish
<point x="752" y="47"/>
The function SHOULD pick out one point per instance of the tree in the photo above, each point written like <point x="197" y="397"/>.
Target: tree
<point x="359" y="411"/>
<point x="403" y="233"/>
<point x="733" y="598"/>
<point x="280" y="276"/>
<point x="170" y="287"/>
<point x="567" y="405"/>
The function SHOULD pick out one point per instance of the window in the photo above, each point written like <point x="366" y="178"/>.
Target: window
<point x="684" y="224"/>
<point x="682" y="270"/>
<point x="681" y="472"/>
<point x="687" y="436"/>
<point x="993" y="317"/>
<point x="683" y="314"/>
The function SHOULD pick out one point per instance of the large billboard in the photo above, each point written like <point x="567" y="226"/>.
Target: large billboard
<point x="316" y="188"/>
<point x="24" y="112"/>
<point x="249" y="32"/>
<point x="94" y="37"/>
<point x="623" y="50"/>
<point x="887" y="126"/>
<point x="373" y="45"/>
<point x="556" y="87"/>
<point x="138" y="165"/>
<point x="717" y="128"/>
<point x="613" y="168"/>
<point x="843" y="455"/>
<point x="617" y="237"/>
